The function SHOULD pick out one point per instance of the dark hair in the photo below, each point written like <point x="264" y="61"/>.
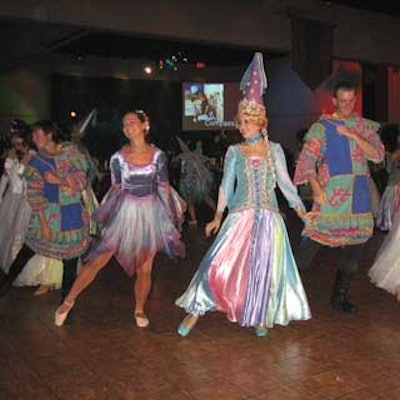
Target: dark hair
<point x="344" y="85"/>
<point x="300" y="134"/>
<point x="18" y="126"/>
<point x="25" y="136"/>
<point x="389" y="135"/>
<point x="143" y="117"/>
<point x="49" y="127"/>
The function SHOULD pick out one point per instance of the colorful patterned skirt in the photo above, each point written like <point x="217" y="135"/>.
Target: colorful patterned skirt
<point x="249" y="273"/>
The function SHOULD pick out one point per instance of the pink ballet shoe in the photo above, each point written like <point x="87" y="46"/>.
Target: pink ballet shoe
<point x="141" y="319"/>
<point x="60" y="317"/>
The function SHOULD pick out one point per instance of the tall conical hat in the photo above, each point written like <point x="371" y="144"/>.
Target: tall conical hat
<point x="253" y="85"/>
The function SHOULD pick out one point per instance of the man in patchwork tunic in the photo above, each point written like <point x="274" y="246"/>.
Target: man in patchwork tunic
<point x="334" y="162"/>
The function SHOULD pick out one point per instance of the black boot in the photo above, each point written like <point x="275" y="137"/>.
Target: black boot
<point x="16" y="267"/>
<point x="5" y="285"/>
<point x="339" y="299"/>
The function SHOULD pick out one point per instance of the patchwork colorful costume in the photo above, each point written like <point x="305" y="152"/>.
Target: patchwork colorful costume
<point x="249" y="272"/>
<point x="62" y="206"/>
<point x="141" y="214"/>
<point x="342" y="172"/>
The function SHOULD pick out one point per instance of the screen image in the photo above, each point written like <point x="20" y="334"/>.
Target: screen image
<point x="209" y="106"/>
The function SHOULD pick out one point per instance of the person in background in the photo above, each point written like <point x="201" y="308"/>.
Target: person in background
<point x="44" y="272"/>
<point x="58" y="225"/>
<point x="390" y="201"/>
<point x="333" y="161"/>
<point x="196" y="179"/>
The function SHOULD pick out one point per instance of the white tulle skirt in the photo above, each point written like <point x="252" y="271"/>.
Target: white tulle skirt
<point x="41" y="270"/>
<point x="385" y="272"/>
<point x="14" y="216"/>
<point x="134" y="229"/>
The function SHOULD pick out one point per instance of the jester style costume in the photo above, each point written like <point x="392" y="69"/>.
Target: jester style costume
<point x="141" y="214"/>
<point x="249" y="272"/>
<point x="62" y="206"/>
<point x="342" y="172"/>
<point x="344" y="220"/>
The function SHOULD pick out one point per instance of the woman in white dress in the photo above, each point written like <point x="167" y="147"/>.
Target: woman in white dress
<point x="385" y="272"/>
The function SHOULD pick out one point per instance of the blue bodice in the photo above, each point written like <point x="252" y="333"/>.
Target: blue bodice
<point x="249" y="182"/>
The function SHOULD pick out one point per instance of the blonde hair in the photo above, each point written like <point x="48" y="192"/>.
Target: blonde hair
<point x="256" y="113"/>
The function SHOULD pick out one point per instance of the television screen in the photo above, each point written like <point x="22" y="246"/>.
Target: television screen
<point x="209" y="106"/>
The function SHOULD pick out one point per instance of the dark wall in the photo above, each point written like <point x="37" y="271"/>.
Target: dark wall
<point x="375" y="92"/>
<point x="112" y="98"/>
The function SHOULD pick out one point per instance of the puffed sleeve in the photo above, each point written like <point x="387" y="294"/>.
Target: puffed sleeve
<point x="310" y="155"/>
<point x="227" y="187"/>
<point x="283" y="180"/>
<point x="35" y="186"/>
<point x="162" y="168"/>
<point x="115" y="168"/>
<point x="174" y="204"/>
<point x="76" y="173"/>
<point x="372" y="137"/>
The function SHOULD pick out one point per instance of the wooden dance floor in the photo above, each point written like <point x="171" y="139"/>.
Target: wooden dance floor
<point x="101" y="354"/>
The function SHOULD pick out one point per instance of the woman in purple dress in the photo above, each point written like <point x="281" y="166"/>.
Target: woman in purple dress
<point x="140" y="215"/>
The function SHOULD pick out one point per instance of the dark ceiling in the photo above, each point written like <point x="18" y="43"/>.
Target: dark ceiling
<point x="23" y="41"/>
<point x="391" y="7"/>
<point x="155" y="49"/>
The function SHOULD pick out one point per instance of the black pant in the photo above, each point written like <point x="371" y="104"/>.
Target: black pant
<point x="349" y="255"/>
<point x="26" y="253"/>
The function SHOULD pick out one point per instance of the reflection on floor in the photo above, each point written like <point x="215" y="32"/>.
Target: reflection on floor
<point x="100" y="354"/>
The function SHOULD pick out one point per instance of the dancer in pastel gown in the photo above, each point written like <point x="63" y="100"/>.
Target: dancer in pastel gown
<point x="141" y="215"/>
<point x="249" y="272"/>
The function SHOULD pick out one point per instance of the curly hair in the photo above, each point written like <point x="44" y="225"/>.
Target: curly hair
<point x="254" y="111"/>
